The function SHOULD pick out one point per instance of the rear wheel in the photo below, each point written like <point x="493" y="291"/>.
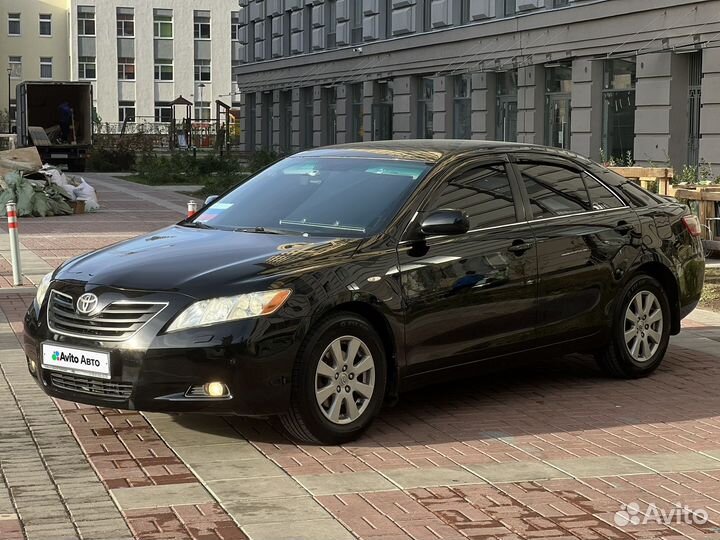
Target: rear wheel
<point x="338" y="383"/>
<point x="641" y="330"/>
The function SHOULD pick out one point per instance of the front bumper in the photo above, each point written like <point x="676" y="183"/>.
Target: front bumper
<point x="153" y="371"/>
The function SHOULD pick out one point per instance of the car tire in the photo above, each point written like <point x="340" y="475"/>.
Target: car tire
<point x="319" y="412"/>
<point x="641" y="330"/>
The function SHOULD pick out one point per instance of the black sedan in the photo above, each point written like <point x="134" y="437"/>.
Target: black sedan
<point x="336" y="278"/>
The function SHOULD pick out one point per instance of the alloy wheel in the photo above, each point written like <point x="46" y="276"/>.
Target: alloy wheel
<point x="345" y="380"/>
<point x="643" y="326"/>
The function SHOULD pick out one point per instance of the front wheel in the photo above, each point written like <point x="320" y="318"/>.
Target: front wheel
<point x="338" y="382"/>
<point x="641" y="330"/>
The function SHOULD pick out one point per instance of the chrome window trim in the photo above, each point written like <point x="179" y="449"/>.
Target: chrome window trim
<point x="576" y="214"/>
<point x="97" y="338"/>
<point x="603" y="184"/>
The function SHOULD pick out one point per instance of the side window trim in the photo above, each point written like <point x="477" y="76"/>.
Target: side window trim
<point x="606" y="187"/>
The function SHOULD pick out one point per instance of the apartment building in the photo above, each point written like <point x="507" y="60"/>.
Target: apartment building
<point x="625" y="79"/>
<point x="139" y="54"/>
<point x="34" y="45"/>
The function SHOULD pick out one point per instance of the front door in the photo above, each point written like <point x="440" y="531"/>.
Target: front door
<point x="558" y="121"/>
<point x="472" y="296"/>
<point x="382" y="114"/>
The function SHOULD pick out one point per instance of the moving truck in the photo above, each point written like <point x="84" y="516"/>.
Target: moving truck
<point x="57" y="118"/>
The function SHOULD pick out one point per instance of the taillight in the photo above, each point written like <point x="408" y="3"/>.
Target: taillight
<point x="692" y="224"/>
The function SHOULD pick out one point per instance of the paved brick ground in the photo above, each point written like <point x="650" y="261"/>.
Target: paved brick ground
<point x="552" y="450"/>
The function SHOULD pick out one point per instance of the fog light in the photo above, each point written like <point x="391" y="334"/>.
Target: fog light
<point x="215" y="389"/>
<point x="33" y="366"/>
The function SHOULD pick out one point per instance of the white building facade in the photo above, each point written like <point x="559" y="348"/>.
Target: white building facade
<point x="140" y="55"/>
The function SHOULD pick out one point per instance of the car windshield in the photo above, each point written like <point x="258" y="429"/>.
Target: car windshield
<point x="323" y="196"/>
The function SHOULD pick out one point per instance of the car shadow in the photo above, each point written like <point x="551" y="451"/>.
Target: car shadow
<point x="533" y="397"/>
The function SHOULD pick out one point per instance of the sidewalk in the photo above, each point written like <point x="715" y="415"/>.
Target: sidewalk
<point x="554" y="450"/>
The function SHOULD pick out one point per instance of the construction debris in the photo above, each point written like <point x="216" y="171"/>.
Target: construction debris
<point x="41" y="190"/>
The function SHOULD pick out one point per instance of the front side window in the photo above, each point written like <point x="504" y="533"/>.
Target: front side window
<point x="13" y="24"/>
<point x="483" y="193"/>
<point x="619" y="110"/>
<point x="462" y="109"/>
<point x="45" y="24"/>
<point x="86" y="20"/>
<point x="86" y="67"/>
<point x="164" y="69"/>
<point x="601" y="197"/>
<point x="46" y="67"/>
<point x="554" y="190"/>
<point x="320" y="197"/>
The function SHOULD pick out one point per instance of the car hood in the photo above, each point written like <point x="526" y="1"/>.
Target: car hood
<point x="201" y="262"/>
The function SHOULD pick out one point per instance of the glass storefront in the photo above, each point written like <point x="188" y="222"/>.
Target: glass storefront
<point x="425" y="96"/>
<point x="357" y="131"/>
<point x="619" y="110"/>
<point x="462" y="109"/>
<point x="506" y="120"/>
<point x="382" y="112"/>
<point x="558" y="91"/>
<point x="330" y="115"/>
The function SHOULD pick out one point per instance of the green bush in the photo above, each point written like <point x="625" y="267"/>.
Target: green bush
<point x="261" y="159"/>
<point x="109" y="160"/>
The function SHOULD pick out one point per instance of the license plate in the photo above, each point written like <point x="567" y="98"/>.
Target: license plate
<point x="59" y="156"/>
<point x="58" y="357"/>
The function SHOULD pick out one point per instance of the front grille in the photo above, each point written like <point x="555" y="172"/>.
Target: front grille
<point x="117" y="322"/>
<point x="95" y="387"/>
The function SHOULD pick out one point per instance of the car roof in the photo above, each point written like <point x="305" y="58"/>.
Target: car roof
<point x="428" y="150"/>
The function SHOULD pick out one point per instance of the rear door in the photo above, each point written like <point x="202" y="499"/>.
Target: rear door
<point x="586" y="239"/>
<point x="472" y="296"/>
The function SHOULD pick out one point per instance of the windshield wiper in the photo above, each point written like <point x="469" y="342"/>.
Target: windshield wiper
<point x="260" y="230"/>
<point x="196" y="225"/>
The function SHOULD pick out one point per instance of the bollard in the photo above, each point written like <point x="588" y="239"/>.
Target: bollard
<point x="14" y="243"/>
<point x="192" y="209"/>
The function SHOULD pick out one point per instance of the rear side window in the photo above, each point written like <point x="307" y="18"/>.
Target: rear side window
<point x="636" y="195"/>
<point x="484" y="193"/>
<point x="554" y="190"/>
<point x="601" y="197"/>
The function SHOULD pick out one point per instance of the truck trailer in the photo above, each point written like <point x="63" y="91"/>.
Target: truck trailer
<point x="57" y="118"/>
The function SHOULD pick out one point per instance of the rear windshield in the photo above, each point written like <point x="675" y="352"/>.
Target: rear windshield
<point x="322" y="196"/>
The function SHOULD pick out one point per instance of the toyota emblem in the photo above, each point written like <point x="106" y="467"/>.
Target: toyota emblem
<point x="87" y="303"/>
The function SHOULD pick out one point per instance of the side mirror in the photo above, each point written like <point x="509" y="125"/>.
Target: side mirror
<point x="211" y="198"/>
<point x="445" y="222"/>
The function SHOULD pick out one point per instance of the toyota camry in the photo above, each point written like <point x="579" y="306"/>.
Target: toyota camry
<point x="326" y="284"/>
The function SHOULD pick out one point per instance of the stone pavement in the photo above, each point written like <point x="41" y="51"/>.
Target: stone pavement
<point x="552" y="450"/>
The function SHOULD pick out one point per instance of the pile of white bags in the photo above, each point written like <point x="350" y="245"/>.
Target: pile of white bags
<point x="75" y="187"/>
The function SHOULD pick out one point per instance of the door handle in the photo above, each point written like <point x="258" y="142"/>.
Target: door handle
<point x="623" y="227"/>
<point x="520" y="246"/>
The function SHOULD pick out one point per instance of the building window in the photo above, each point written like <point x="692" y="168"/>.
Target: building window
<point x="163" y="24"/>
<point x="619" y="109"/>
<point x="330" y="115"/>
<point x="331" y="23"/>
<point x="163" y="69"/>
<point x="356" y="23"/>
<point x="126" y="111"/>
<point x="509" y="7"/>
<point x="45" y="24"/>
<point x="202" y="70"/>
<point x="462" y="109"/>
<point x="163" y="112"/>
<point x="506" y="103"/>
<point x="357" y="129"/>
<point x="427" y="16"/>
<point x="559" y="3"/>
<point x="235" y="26"/>
<point x="425" y="96"/>
<point x="86" y="67"/>
<point x="13" y="24"/>
<point x="307" y="117"/>
<point x="86" y="20"/>
<point x="15" y="65"/>
<point x="381" y="117"/>
<point x="202" y="110"/>
<point x="46" y="67"/>
<point x="202" y="25"/>
<point x="558" y="93"/>
<point x="267" y="121"/>
<point x="388" y="18"/>
<point x="250" y="119"/>
<point x="125" y="22"/>
<point x="126" y="69"/>
<point x="694" y="104"/>
<point x="464" y="11"/>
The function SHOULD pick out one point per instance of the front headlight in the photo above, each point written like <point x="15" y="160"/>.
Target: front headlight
<point x="230" y="308"/>
<point x="43" y="289"/>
